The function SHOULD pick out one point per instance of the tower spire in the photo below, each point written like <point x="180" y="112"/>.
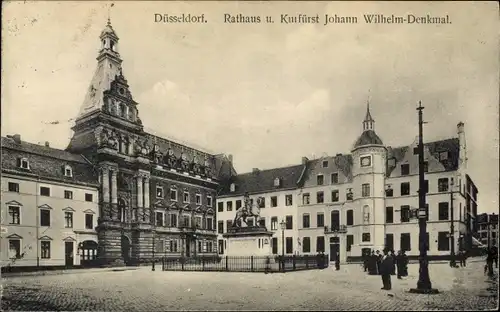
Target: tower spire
<point x="369" y="122"/>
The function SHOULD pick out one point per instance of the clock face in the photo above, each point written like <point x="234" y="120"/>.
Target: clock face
<point x="365" y="161"/>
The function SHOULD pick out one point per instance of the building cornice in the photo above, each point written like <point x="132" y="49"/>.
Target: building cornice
<point x="8" y="173"/>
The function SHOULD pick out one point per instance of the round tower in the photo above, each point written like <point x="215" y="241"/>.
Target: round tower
<point x="369" y="172"/>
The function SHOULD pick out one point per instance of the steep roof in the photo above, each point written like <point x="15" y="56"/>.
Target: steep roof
<point x="452" y="146"/>
<point x="46" y="162"/>
<point x="341" y="162"/>
<point x="368" y="137"/>
<point x="262" y="181"/>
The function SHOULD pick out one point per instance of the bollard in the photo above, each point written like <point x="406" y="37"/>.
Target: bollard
<point x="227" y="266"/>
<point x="294" y="262"/>
<point x="251" y="263"/>
<point x="307" y="262"/>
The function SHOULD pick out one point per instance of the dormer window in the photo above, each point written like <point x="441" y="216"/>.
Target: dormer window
<point x="391" y="162"/>
<point x="277" y="182"/>
<point x="68" y="171"/>
<point x="23" y="163"/>
<point x="232" y="187"/>
<point x="325" y="163"/>
<point x="443" y="155"/>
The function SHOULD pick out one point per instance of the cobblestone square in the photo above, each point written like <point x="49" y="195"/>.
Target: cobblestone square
<point x="347" y="289"/>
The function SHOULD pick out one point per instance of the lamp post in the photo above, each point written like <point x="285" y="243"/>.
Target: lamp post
<point x="452" y="227"/>
<point x="283" y="227"/>
<point x="153" y="230"/>
<point x="424" y="285"/>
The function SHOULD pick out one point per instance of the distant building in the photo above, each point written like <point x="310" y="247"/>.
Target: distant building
<point x="487" y="232"/>
<point x="49" y="206"/>
<point x="366" y="200"/>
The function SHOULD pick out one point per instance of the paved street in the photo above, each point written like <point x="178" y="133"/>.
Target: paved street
<point x="347" y="289"/>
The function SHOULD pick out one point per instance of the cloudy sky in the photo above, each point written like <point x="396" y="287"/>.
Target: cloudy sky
<point x="266" y="93"/>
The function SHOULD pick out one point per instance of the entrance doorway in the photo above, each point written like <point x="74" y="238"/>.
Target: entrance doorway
<point x="68" y="251"/>
<point x="188" y="248"/>
<point x="334" y="248"/>
<point x="125" y="242"/>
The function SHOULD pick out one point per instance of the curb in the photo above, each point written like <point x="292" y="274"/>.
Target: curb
<point x="70" y="271"/>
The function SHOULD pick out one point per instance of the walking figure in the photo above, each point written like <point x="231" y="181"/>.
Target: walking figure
<point x="386" y="266"/>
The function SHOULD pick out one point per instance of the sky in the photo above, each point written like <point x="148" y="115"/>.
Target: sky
<point x="268" y="94"/>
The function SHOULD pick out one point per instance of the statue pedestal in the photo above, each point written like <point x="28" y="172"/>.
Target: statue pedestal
<point x="248" y="241"/>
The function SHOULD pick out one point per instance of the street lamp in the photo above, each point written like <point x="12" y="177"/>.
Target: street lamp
<point x="153" y="230"/>
<point x="283" y="227"/>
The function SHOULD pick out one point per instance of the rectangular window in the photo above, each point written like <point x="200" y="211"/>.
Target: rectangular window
<point x="186" y="197"/>
<point x="14" y="215"/>
<point x="68" y="194"/>
<point x="209" y="201"/>
<point x="89" y="221"/>
<point x="173" y="220"/>
<point x="320" y="197"/>
<point x="220" y="207"/>
<point x="306" y="222"/>
<point x="238" y="204"/>
<point x="289" y="245"/>
<point x="186" y="221"/>
<point x="306" y="244"/>
<point x="405" y="242"/>
<point x="44" y="217"/>
<point x="197" y="222"/>
<point x="443" y="185"/>
<point x="23" y="163"/>
<point x="289" y="222"/>
<point x="44" y="191"/>
<point x="262" y="221"/>
<point x="365" y="190"/>
<point x="350" y="242"/>
<point x="348" y="194"/>
<point x="405" y="169"/>
<point x="159" y="192"/>
<point x="14" y="249"/>
<point x="350" y="217"/>
<point x="335" y="219"/>
<point x="320" y="244"/>
<point x="444" y="211"/>
<point x="159" y="218"/>
<point x="320" y="179"/>
<point x="335" y="196"/>
<point x="389" y="241"/>
<point x="68" y="219"/>
<point x="405" y="188"/>
<point x="45" y="249"/>
<point x="335" y="178"/>
<point x="325" y="163"/>
<point x="229" y="206"/>
<point x="306" y="199"/>
<point x="89" y="197"/>
<point x="160" y="244"/>
<point x="365" y="237"/>
<point x="274" y="223"/>
<point x="320" y="220"/>
<point x="229" y="224"/>
<point x="198" y="199"/>
<point x="13" y="187"/>
<point x="262" y="203"/>
<point x="274" y="201"/>
<point x="288" y="200"/>
<point x="405" y="213"/>
<point x="210" y="223"/>
<point x="389" y="192"/>
<point x="274" y="243"/>
<point x="443" y="241"/>
<point x="173" y="194"/>
<point x="389" y="215"/>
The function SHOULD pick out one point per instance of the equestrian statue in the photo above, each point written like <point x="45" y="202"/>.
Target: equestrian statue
<point x="248" y="210"/>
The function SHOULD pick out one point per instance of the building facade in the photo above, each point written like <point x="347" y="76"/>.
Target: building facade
<point x="49" y="206"/>
<point x="487" y="233"/>
<point x="279" y="187"/>
<point x="154" y="197"/>
<point x="366" y="200"/>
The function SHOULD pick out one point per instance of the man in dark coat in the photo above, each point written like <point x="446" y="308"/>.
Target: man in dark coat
<point x="386" y="265"/>
<point x="393" y="256"/>
<point x="372" y="264"/>
<point x="404" y="263"/>
<point x="399" y="264"/>
<point x="379" y="260"/>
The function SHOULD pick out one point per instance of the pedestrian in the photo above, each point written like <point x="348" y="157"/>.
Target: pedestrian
<point x="386" y="265"/>
<point x="365" y="257"/>
<point x="337" y="262"/>
<point x="399" y="264"/>
<point x="495" y="256"/>
<point x="378" y="261"/>
<point x="489" y="262"/>
<point x="372" y="264"/>
<point x="393" y="256"/>
<point x="404" y="263"/>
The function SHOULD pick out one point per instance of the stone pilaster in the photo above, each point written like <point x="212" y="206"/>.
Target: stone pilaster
<point x="146" y="209"/>
<point x="114" y="195"/>
<point x="139" y="195"/>
<point x="105" y="185"/>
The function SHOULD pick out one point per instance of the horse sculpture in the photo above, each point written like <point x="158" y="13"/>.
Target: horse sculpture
<point x="247" y="210"/>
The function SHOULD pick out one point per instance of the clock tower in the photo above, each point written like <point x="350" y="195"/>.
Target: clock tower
<point x="369" y="170"/>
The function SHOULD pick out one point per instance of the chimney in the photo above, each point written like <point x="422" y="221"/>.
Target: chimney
<point x="230" y="157"/>
<point x="17" y="138"/>
<point x="460" y="127"/>
<point x="47" y="144"/>
<point x="339" y="154"/>
<point x="255" y="170"/>
<point x="304" y="160"/>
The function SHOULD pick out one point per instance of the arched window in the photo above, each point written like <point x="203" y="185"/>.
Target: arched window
<point x="121" y="210"/>
<point x="123" y="111"/>
<point x="68" y="171"/>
